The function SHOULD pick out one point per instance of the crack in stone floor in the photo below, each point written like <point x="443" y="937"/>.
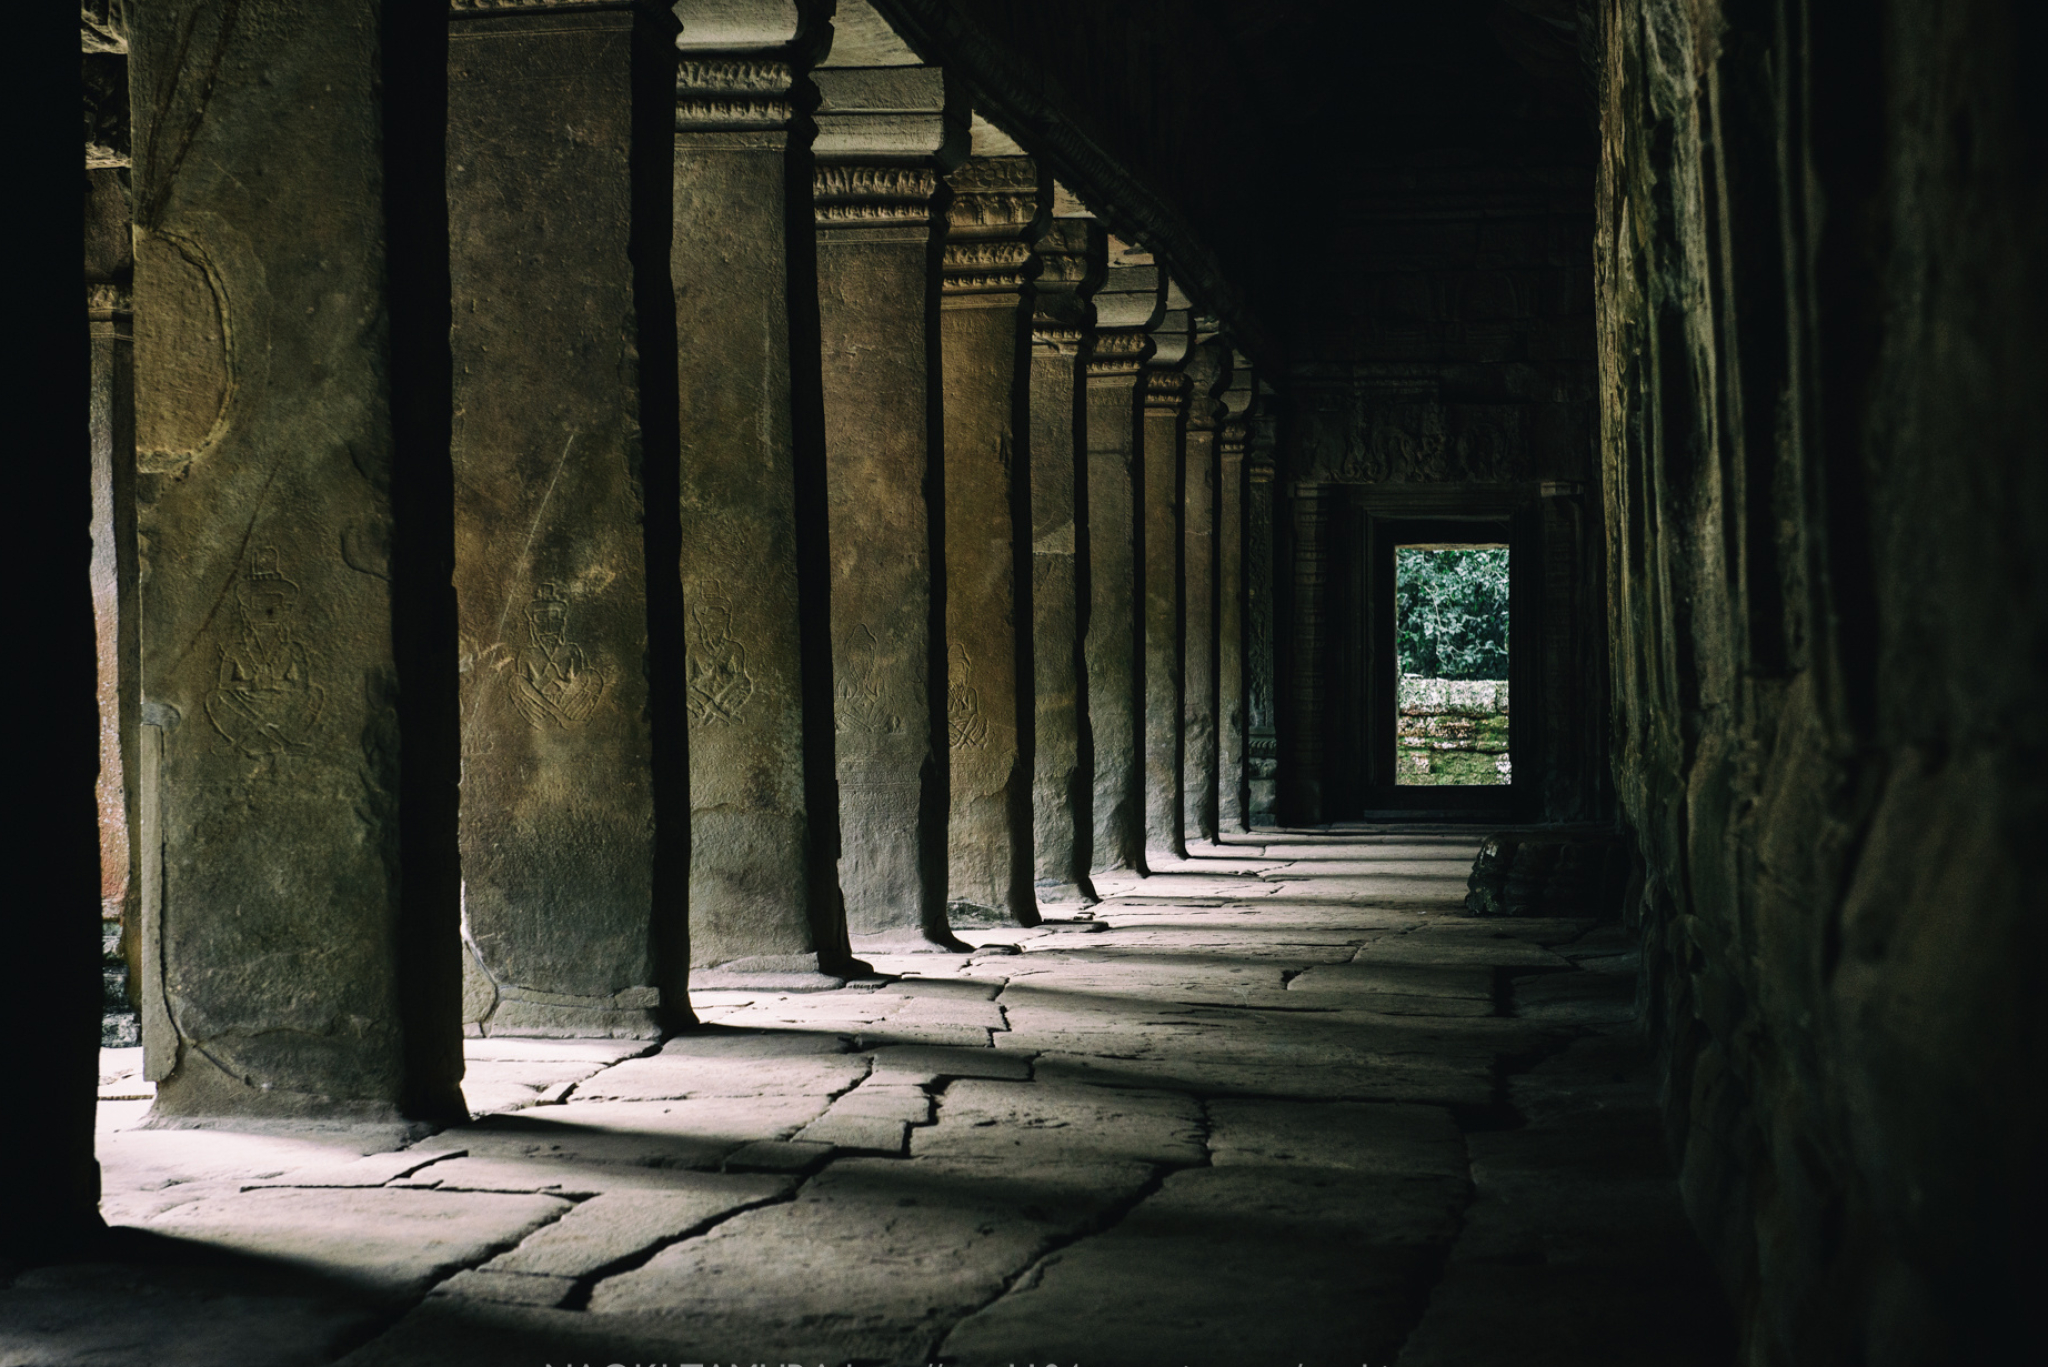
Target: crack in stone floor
<point x="1280" y="1102"/>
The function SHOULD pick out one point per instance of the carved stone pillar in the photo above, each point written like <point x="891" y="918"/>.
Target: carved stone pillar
<point x="1233" y="802"/>
<point x="1071" y="260"/>
<point x="296" y="633"/>
<point x="984" y="329"/>
<point x="1129" y="302"/>
<point x="884" y="135"/>
<point x="1262" y="748"/>
<point x="1164" y="438"/>
<point x="109" y="277"/>
<point x="1301" y="774"/>
<point x="1208" y="369"/>
<point x="558" y="800"/>
<point x="765" y="909"/>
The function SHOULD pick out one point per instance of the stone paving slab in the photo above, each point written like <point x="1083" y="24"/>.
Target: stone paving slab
<point x="875" y="1260"/>
<point x="673" y="1076"/>
<point x="388" y="1243"/>
<point x="612" y="1228"/>
<point x="1054" y="1122"/>
<point x="1195" y="1273"/>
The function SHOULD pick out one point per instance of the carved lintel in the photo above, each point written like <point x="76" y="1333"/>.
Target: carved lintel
<point x="849" y="194"/>
<point x="1166" y="391"/>
<point x="740" y="93"/>
<point x="1119" y="353"/>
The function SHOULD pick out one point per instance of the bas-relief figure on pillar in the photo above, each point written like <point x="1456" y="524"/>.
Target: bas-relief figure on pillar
<point x="997" y="204"/>
<point x="1233" y="810"/>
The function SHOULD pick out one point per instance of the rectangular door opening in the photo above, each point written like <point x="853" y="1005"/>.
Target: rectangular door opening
<point x="1451" y="694"/>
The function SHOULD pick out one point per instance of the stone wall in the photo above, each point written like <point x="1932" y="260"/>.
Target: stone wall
<point x="1822" y="337"/>
<point x="1451" y="731"/>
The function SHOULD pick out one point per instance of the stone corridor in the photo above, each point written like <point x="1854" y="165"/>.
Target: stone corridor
<point x="1279" y="1102"/>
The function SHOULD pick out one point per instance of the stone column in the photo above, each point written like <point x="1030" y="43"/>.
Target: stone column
<point x="984" y="330"/>
<point x="1301" y="776"/>
<point x="765" y="909"/>
<point x="293" y="591"/>
<point x="558" y="800"/>
<point x="884" y="135"/>
<point x="1233" y="802"/>
<point x="1208" y="369"/>
<point x="1130" y="301"/>
<point x="109" y="277"/>
<point x="1071" y="262"/>
<point x="1163" y="436"/>
<point x="1262" y="748"/>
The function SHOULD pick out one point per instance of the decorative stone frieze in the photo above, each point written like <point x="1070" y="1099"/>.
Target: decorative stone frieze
<point x="733" y="94"/>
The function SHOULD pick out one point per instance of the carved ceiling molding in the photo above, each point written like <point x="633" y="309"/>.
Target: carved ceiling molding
<point x="1014" y="99"/>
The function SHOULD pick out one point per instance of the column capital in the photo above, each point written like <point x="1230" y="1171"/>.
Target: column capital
<point x="879" y="101"/>
<point x="860" y="194"/>
<point x="1071" y="264"/>
<point x="995" y="210"/>
<point x="734" y="94"/>
<point x="1122" y="352"/>
<point x="1208" y="371"/>
<point x="476" y="9"/>
<point x="1166" y="391"/>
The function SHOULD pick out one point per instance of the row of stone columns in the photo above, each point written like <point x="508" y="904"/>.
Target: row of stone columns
<point x="849" y="537"/>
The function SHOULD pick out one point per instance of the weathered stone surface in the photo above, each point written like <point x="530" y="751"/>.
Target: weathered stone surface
<point x="482" y="1284"/>
<point x="550" y="568"/>
<point x="1071" y="257"/>
<point x="266" y="450"/>
<point x="984" y="338"/>
<point x="876" y="285"/>
<point x="612" y="1228"/>
<point x="1262" y="745"/>
<point x="1049" y="1123"/>
<point x="387" y="1243"/>
<point x="669" y="1076"/>
<point x="763" y="883"/>
<point x="1208" y="370"/>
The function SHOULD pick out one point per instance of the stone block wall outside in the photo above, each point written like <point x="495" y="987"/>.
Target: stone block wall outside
<point x="1451" y="732"/>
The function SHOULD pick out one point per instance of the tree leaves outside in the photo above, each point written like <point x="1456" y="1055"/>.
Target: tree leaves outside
<point x="1451" y="612"/>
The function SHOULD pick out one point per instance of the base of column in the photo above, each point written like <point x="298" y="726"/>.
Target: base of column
<point x="911" y="942"/>
<point x="767" y="973"/>
<point x="1066" y="894"/>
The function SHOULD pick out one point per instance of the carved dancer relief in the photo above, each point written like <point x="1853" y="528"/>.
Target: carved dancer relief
<point x="717" y="678"/>
<point x="863" y="709"/>
<point x="265" y="702"/>
<point x="552" y="681"/>
<point x="966" y="724"/>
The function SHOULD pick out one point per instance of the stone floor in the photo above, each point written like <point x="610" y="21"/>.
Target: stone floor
<point x="1278" y="1104"/>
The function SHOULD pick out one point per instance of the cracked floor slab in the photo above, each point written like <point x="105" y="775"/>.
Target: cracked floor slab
<point x="1282" y="1102"/>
